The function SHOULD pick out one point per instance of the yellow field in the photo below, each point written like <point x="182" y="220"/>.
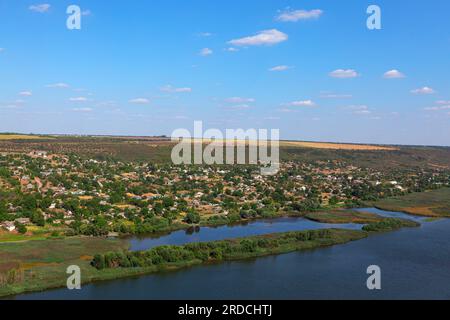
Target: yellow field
<point x="21" y="137"/>
<point x="334" y="146"/>
<point x="315" y="145"/>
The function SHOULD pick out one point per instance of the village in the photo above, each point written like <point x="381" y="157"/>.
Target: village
<point x="74" y="195"/>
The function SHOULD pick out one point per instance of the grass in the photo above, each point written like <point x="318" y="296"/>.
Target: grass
<point x="390" y="224"/>
<point x="343" y="216"/>
<point x="432" y="204"/>
<point x="226" y="250"/>
<point x="44" y="263"/>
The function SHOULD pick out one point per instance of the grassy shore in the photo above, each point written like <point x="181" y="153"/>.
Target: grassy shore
<point x="434" y="204"/>
<point x="44" y="263"/>
<point x="343" y="216"/>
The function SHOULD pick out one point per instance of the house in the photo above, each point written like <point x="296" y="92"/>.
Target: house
<point x="8" y="225"/>
<point x="24" y="221"/>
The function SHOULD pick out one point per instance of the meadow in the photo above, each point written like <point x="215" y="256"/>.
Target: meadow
<point x="433" y="204"/>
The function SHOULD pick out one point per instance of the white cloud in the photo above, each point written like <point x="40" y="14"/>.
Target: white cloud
<point x="286" y="110"/>
<point x="303" y="103"/>
<point x="205" y="34"/>
<point x="296" y="15"/>
<point x="279" y="68"/>
<point x="58" y="85"/>
<point x="239" y="107"/>
<point x="9" y="106"/>
<point x="359" y="109"/>
<point x="78" y="99"/>
<point x="41" y="8"/>
<point x="424" y="90"/>
<point x="172" y="89"/>
<point x="393" y="74"/>
<point x="139" y="101"/>
<point x="26" y="93"/>
<point x="335" y="96"/>
<point x="82" y="109"/>
<point x="266" y="37"/>
<point x="240" y="100"/>
<point x="181" y="117"/>
<point x="206" y="52"/>
<point x="440" y="105"/>
<point x="344" y="74"/>
<point x="438" y="108"/>
<point x="231" y="49"/>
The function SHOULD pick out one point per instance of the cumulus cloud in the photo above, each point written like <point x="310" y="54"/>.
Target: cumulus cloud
<point x="82" y="110"/>
<point x="302" y="103"/>
<point x="239" y="107"/>
<point x="328" y="95"/>
<point x="360" y="109"/>
<point x="438" y="108"/>
<point x="171" y="89"/>
<point x="344" y="74"/>
<point x="266" y="37"/>
<point x="296" y="15"/>
<point x="440" y="105"/>
<point x="41" y="8"/>
<point x="240" y="100"/>
<point x="205" y="34"/>
<point x="140" y="101"/>
<point x="60" y="85"/>
<point x="206" y="52"/>
<point x="78" y="99"/>
<point x="25" y="93"/>
<point x="423" y="90"/>
<point x="279" y="68"/>
<point x="393" y="74"/>
<point x="9" y="106"/>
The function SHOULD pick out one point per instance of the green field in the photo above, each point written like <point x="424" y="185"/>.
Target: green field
<point x="343" y="216"/>
<point x="434" y="203"/>
<point x="43" y="264"/>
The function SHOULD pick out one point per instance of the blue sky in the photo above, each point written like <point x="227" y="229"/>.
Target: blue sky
<point x="310" y="68"/>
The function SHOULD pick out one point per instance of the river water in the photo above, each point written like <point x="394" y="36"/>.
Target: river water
<point x="415" y="264"/>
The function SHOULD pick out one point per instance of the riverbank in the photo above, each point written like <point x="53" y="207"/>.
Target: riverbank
<point x="44" y="263"/>
<point x="432" y="204"/>
<point x="52" y="275"/>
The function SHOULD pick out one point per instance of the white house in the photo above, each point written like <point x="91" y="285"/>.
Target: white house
<point x="8" y="225"/>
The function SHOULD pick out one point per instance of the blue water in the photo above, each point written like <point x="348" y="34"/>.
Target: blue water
<point x="415" y="264"/>
<point x="236" y="231"/>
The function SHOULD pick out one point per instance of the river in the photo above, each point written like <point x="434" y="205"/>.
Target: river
<point x="415" y="264"/>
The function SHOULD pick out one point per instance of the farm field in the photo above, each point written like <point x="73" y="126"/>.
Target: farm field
<point x="21" y="137"/>
<point x="336" y="146"/>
